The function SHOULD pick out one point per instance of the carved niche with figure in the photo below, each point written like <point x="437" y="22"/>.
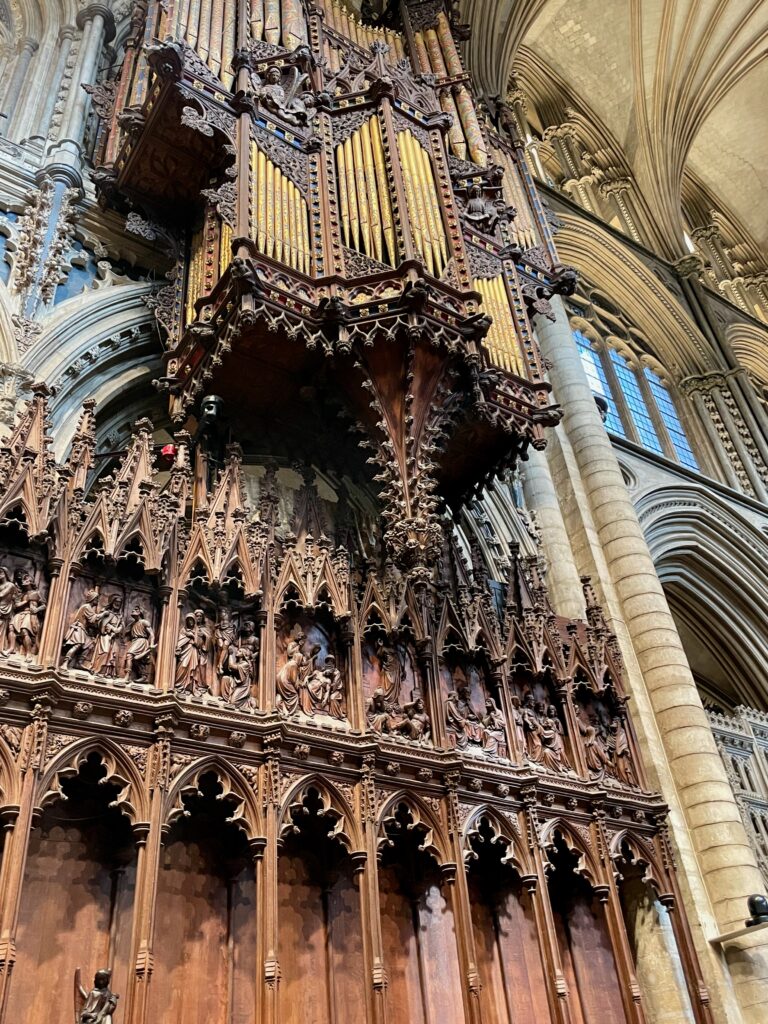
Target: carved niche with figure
<point x="22" y="609"/>
<point x="101" y="638"/>
<point x="309" y="680"/>
<point x="474" y="720"/>
<point x="395" y="706"/>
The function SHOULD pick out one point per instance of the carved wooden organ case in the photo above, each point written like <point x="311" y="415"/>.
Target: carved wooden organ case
<point x="286" y="748"/>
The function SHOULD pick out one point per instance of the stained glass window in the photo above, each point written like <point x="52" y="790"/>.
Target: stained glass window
<point x="672" y="422"/>
<point x="599" y="382"/>
<point x="633" y="396"/>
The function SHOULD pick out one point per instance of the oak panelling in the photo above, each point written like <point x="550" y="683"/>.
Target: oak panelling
<point x="76" y="902"/>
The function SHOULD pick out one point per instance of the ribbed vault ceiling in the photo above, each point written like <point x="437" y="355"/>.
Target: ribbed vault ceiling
<point x="677" y="83"/>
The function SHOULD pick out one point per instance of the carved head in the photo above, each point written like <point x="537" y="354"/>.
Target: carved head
<point x="136" y="612"/>
<point x="199" y="617"/>
<point x="102" y="978"/>
<point x="274" y="75"/>
<point x="116" y="602"/>
<point x="189" y="620"/>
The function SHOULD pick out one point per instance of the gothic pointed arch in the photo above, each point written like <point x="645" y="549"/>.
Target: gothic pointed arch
<point x="334" y="806"/>
<point x="237" y="794"/>
<point x="420" y="819"/>
<point x="120" y="771"/>
<point x="505" y="834"/>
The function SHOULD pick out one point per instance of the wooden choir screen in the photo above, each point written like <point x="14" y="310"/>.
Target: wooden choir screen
<point x="320" y="940"/>
<point x="78" y="897"/>
<point x="509" y="954"/>
<point x="205" y="959"/>
<point x="584" y="943"/>
<point x="417" y="927"/>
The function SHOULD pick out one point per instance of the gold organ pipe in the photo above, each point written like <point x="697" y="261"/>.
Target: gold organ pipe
<point x="354" y="215"/>
<point x="305" y="237"/>
<point x="293" y="241"/>
<point x="193" y="20"/>
<point x="362" y="192"/>
<point x="218" y="23"/>
<point x="439" y="245"/>
<point x="373" y="201"/>
<point x="293" y="26"/>
<point x="270" y="230"/>
<point x="262" y="200"/>
<point x="471" y="125"/>
<point x="277" y="252"/>
<point x="272" y="21"/>
<point x="341" y="176"/>
<point x="228" y="44"/>
<point x="257" y="19"/>
<point x="288" y="257"/>
<point x="455" y="132"/>
<point x="204" y="30"/>
<point x="387" y="220"/>
<point x="225" y="247"/>
<point x="195" y="273"/>
<point x="418" y="215"/>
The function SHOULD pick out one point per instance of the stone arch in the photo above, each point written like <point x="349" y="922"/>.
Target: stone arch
<point x="425" y="821"/>
<point x="335" y="805"/>
<point x="750" y="346"/>
<point x="713" y="565"/>
<point x="634" y="287"/>
<point x="121" y="771"/>
<point x="236" y="791"/>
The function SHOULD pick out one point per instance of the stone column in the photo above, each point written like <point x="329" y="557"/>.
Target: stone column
<point x="10" y="102"/>
<point x="562" y="575"/>
<point x="723" y="853"/>
<point x="98" y="27"/>
<point x="66" y="36"/>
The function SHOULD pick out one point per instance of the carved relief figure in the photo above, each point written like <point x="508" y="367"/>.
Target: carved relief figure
<point x="98" y="1005"/>
<point x="225" y="635"/>
<point x="621" y="756"/>
<point x="293" y="674"/>
<point x="377" y="715"/>
<point x="28" y="610"/>
<point x="592" y="741"/>
<point x="82" y="630"/>
<point x="531" y="729"/>
<point x="8" y="593"/>
<point x="494" y="736"/>
<point x="302" y="685"/>
<point x="192" y="656"/>
<point x="481" y="213"/>
<point x="241" y="669"/>
<point x="518" y="725"/>
<point x="416" y="725"/>
<point x="288" y="104"/>
<point x="138" y="656"/>
<point x="109" y="626"/>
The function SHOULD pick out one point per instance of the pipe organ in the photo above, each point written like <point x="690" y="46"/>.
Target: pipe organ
<point x="298" y="752"/>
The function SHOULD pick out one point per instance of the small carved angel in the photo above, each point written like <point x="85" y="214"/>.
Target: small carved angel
<point x="98" y="1005"/>
<point x="285" y="102"/>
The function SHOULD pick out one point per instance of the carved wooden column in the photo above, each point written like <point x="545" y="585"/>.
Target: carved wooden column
<point x="149" y="839"/>
<point x="268" y="928"/>
<point x="30" y="761"/>
<point x="611" y="903"/>
<point x="465" y="937"/>
<point x="370" y="901"/>
<point x="557" y="989"/>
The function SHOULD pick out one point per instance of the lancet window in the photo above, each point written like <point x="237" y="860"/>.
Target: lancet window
<point x="638" y="403"/>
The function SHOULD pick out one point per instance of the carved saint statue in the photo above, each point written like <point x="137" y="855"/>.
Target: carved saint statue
<point x="8" y="592"/>
<point x="28" y="609"/>
<point x="594" y="747"/>
<point x="289" y="104"/>
<point x="241" y="669"/>
<point x="98" y="1005"/>
<point x="618" y="745"/>
<point x="415" y="725"/>
<point x="224" y="636"/>
<point x="377" y="713"/>
<point x="109" y="626"/>
<point x="481" y="213"/>
<point x="293" y="674"/>
<point x="141" y="644"/>
<point x="81" y="632"/>
<point x="192" y="649"/>
<point x="494" y="735"/>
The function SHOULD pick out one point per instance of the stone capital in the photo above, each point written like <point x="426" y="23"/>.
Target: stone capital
<point x="97" y="10"/>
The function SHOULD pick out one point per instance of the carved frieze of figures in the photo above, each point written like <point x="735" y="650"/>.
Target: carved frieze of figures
<point x="474" y="720"/>
<point x="543" y="734"/>
<point x="22" y="610"/>
<point x="604" y="739"/>
<point x="100" y="639"/>
<point x="193" y="650"/>
<point x="395" y="707"/>
<point x="309" y="682"/>
<point x="238" y="664"/>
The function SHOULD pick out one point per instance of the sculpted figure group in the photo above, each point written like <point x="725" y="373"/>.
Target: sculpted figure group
<point x="21" y="613"/>
<point x="540" y="733"/>
<point x="97" y="632"/>
<point x="386" y="714"/>
<point x="606" y="748"/>
<point x="470" y="728"/>
<point x="220" y="661"/>
<point x="304" y="687"/>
